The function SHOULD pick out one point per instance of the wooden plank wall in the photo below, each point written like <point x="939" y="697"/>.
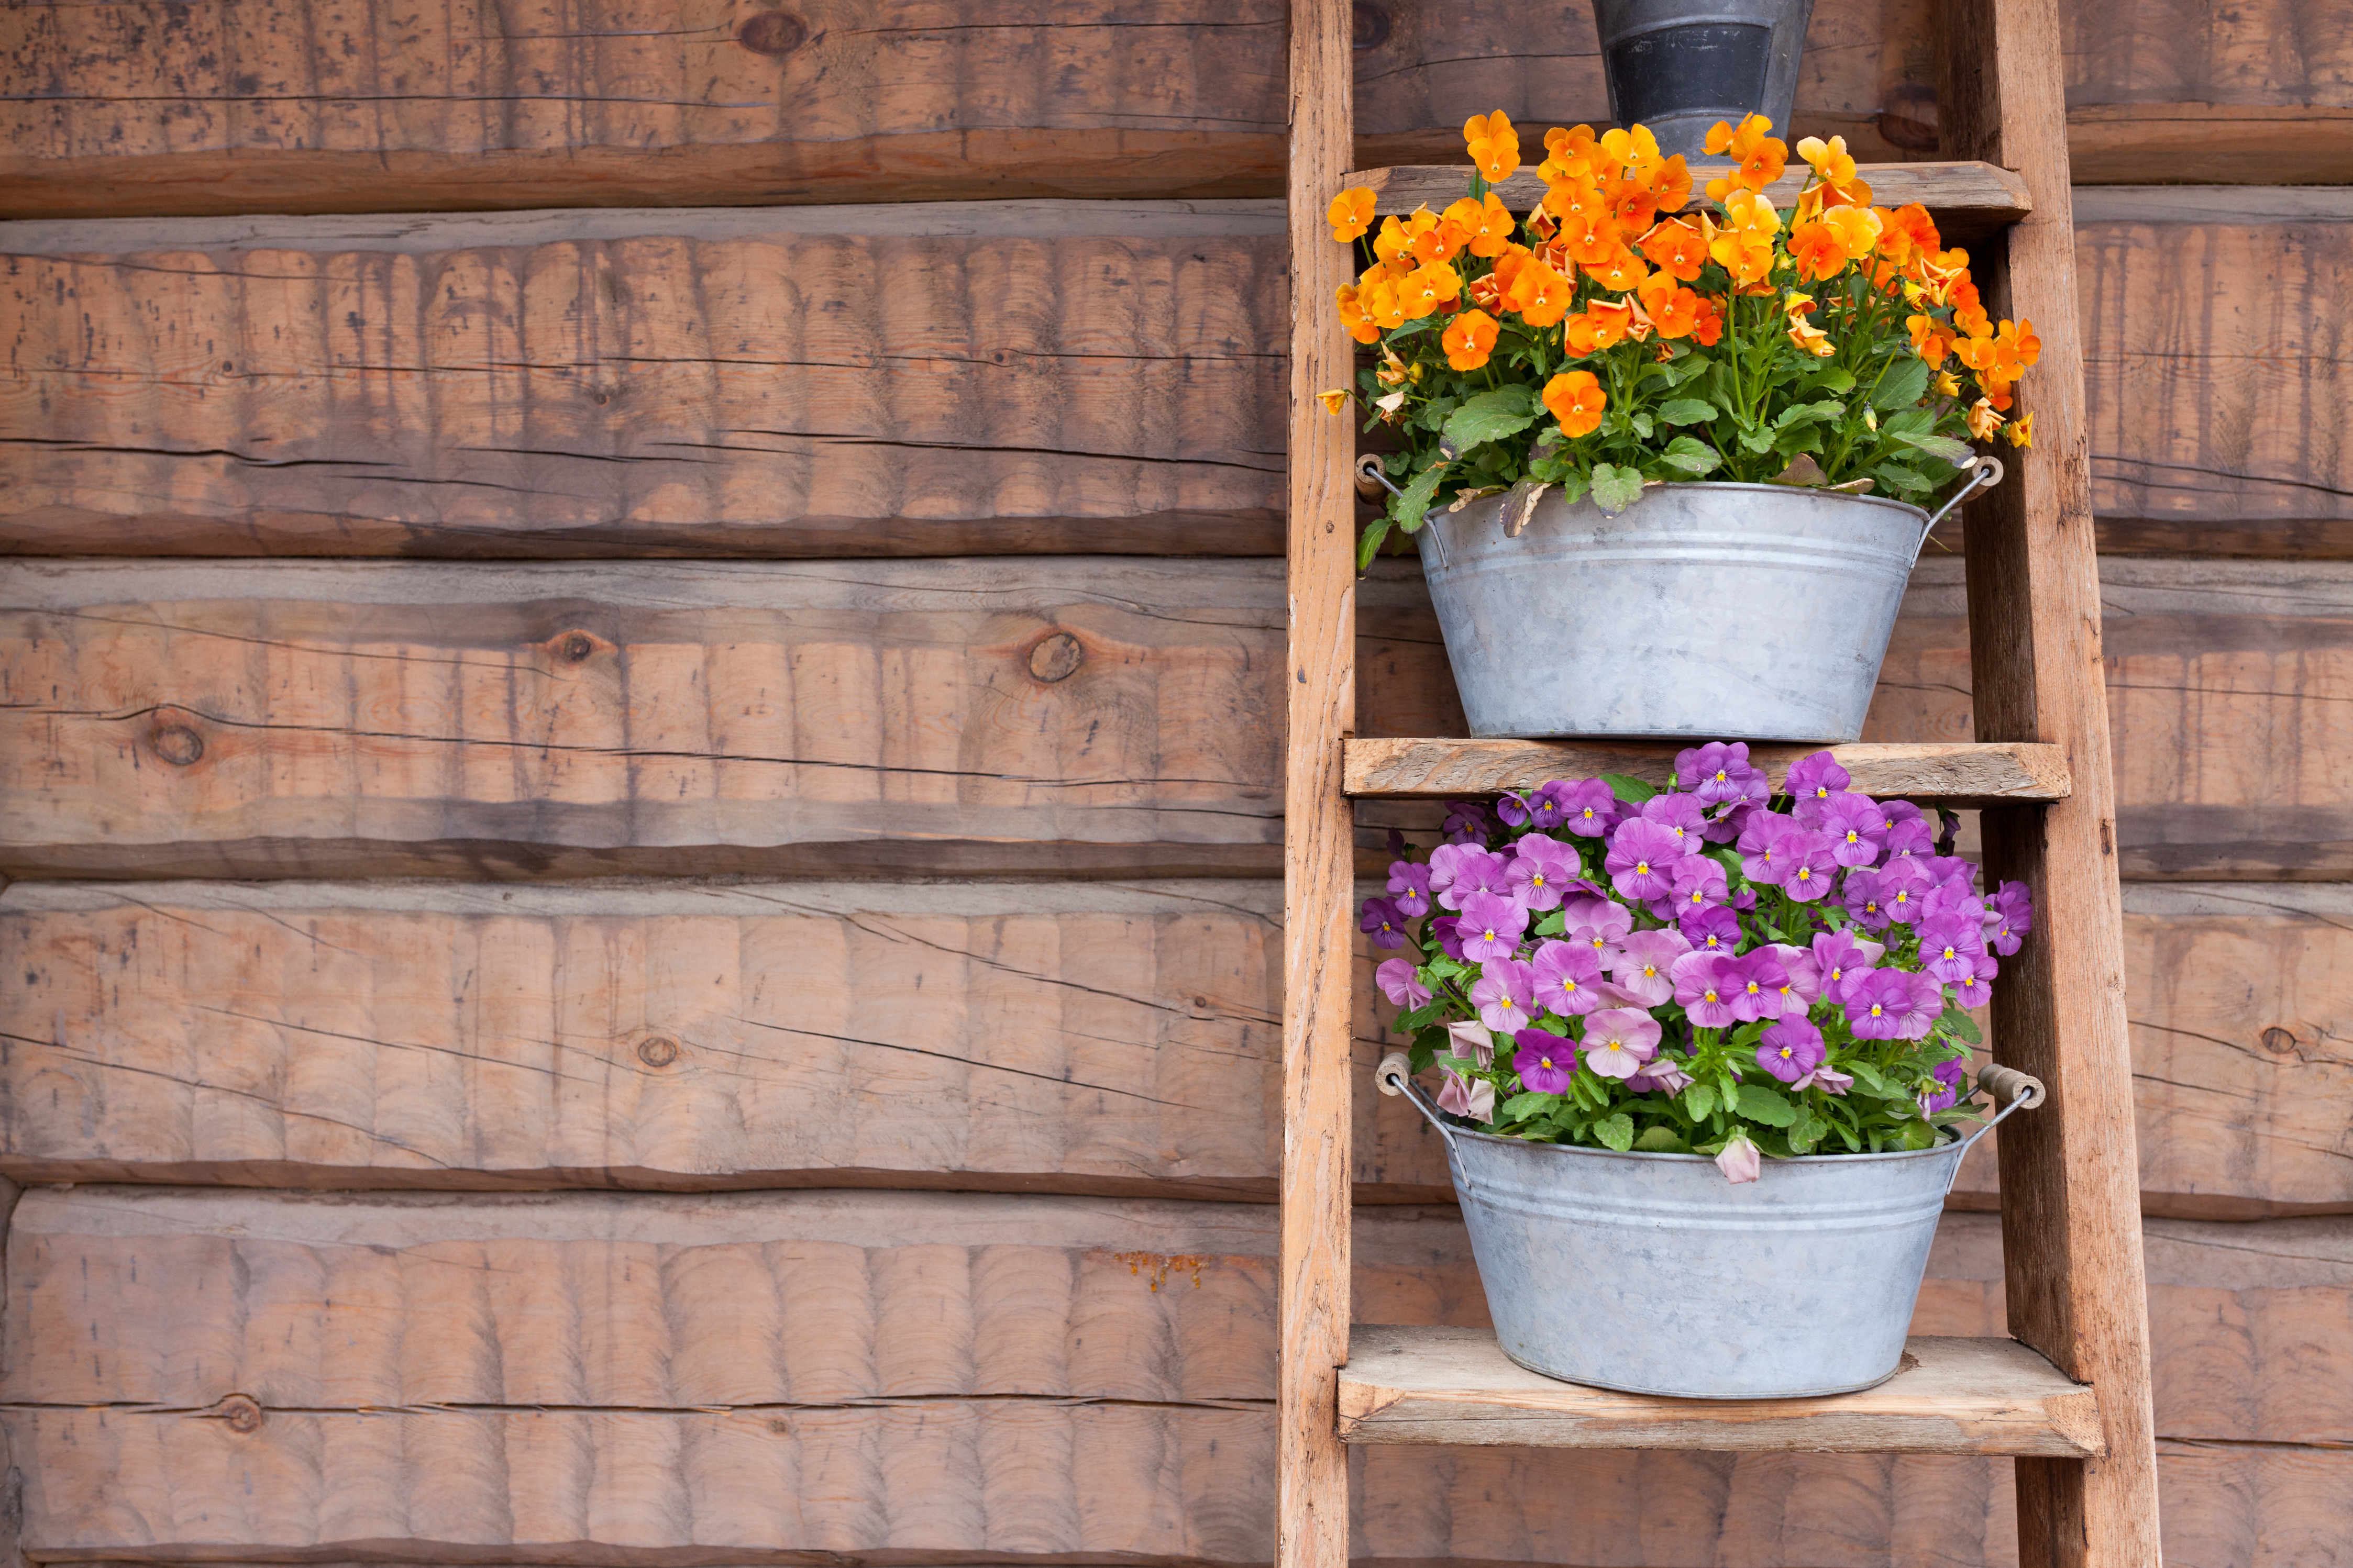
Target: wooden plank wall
<point x="699" y="981"/>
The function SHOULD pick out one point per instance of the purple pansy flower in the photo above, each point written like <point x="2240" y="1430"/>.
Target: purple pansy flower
<point x="1904" y="887"/>
<point x="2010" y="915"/>
<point x="1474" y="1099"/>
<point x="1471" y="1040"/>
<point x="1950" y="946"/>
<point x="1806" y="863"/>
<point x="1466" y="821"/>
<point x="1546" y="808"/>
<point x="1491" y="927"/>
<point x="1446" y="932"/>
<point x="1699" y="884"/>
<point x="1951" y="1075"/>
<point x="1975" y="989"/>
<point x="1802" y="983"/>
<point x="1758" y="836"/>
<point x="1587" y="807"/>
<point x="1718" y="773"/>
<point x="1597" y="923"/>
<point x="1811" y="783"/>
<point x="1504" y="994"/>
<point x="1511" y="810"/>
<point x="1409" y="885"/>
<point x="1790" y="1049"/>
<point x="1839" y="955"/>
<point x="1680" y="815"/>
<point x="1863" y="903"/>
<point x="1705" y="985"/>
<point x="1544" y="1062"/>
<point x="1890" y="1004"/>
<point x="1740" y="1162"/>
<point x="1543" y="872"/>
<point x="1619" y="1040"/>
<point x="1643" y="856"/>
<point x="1567" y="979"/>
<point x="1894" y="813"/>
<point x="1711" y="931"/>
<point x="1401" y="983"/>
<point x="1762" y="982"/>
<point x="1384" y="920"/>
<point x="1725" y="825"/>
<point x="1853" y="823"/>
<point x="1647" y="968"/>
<point x="1472" y="870"/>
<point x="1910" y="839"/>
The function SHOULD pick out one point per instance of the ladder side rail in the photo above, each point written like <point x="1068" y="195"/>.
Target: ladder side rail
<point x="1318" y="935"/>
<point x="2070" y="1176"/>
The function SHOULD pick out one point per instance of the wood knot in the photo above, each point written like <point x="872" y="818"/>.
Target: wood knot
<point x="575" y="647"/>
<point x="1055" y="658"/>
<point x="1368" y="24"/>
<point x="773" y="33"/>
<point x="1908" y="119"/>
<point x="176" y="744"/>
<point x="657" y="1052"/>
<point x="2279" y="1042"/>
<point x="238" y="1413"/>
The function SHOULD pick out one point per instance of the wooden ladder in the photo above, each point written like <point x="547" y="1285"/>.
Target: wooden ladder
<point x="2069" y="1397"/>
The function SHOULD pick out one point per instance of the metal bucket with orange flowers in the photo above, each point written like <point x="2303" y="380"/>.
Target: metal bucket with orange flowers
<point x="1679" y="66"/>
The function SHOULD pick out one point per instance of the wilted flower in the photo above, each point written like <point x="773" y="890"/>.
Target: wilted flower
<point x="1827" y="1079"/>
<point x="1544" y="1062"/>
<point x="1504" y="995"/>
<point x="1619" y="1040"/>
<point x="1471" y="1041"/>
<point x="1662" y="1074"/>
<point x="1467" y="1098"/>
<point x="1790" y="1049"/>
<point x="1491" y="926"/>
<point x="1740" y="1162"/>
<point x="1400" y="983"/>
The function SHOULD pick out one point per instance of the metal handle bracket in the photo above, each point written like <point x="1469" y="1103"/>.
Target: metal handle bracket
<point x="1985" y="472"/>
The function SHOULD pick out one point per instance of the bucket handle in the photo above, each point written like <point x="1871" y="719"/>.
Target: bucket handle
<point x="1985" y="472"/>
<point x="2012" y="1089"/>
<point x="1395" y="1076"/>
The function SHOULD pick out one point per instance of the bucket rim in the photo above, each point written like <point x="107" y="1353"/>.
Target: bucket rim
<point x="1951" y="1143"/>
<point x="1502" y="497"/>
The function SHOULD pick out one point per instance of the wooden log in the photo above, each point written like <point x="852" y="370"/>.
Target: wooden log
<point x="1958" y="774"/>
<point x="1071" y="1036"/>
<point x="913" y="379"/>
<point x="632" y="1311"/>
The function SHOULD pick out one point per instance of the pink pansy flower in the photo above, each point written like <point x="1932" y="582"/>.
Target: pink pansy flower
<point x="1646" y="970"/>
<point x="1903" y="886"/>
<point x="1811" y="783"/>
<point x="1491" y="926"/>
<point x="1705" y="983"/>
<point x="1661" y="1073"/>
<point x="1472" y="1098"/>
<point x="1619" y="1040"/>
<point x="1699" y="884"/>
<point x="1473" y="871"/>
<point x="1853" y="823"/>
<point x="1504" y="995"/>
<point x="1740" y="1161"/>
<point x="1471" y="1041"/>
<point x="1568" y="979"/>
<point x="1806" y="863"/>
<point x="1544" y="1062"/>
<point x="1791" y="1049"/>
<point x="1598" y="925"/>
<point x="1680" y="815"/>
<point x="1804" y="986"/>
<point x="1758" y="836"/>
<point x="1543" y="872"/>
<point x="1838" y="954"/>
<point x="1642" y="859"/>
<point x="1762" y="982"/>
<point x="1400" y="984"/>
<point x="1974" y="990"/>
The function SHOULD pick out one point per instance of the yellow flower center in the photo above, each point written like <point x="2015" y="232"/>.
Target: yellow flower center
<point x="1719" y="775"/>
<point x="1755" y="989"/>
<point x="1949" y="951"/>
<point x="1711" y="995"/>
<point x="1805" y="873"/>
<point x="1641" y="867"/>
<point x="1491" y="934"/>
<point x="1874" y="1009"/>
<point x="1785" y="1053"/>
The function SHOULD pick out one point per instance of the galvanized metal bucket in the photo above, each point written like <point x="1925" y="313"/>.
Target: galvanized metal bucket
<point x="1709" y="611"/>
<point x="1652" y="1274"/>
<point x="1678" y="66"/>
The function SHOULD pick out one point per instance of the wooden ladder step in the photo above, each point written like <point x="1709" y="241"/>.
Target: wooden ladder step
<point x="1952" y="1396"/>
<point x="1967" y="200"/>
<point x="1964" y="774"/>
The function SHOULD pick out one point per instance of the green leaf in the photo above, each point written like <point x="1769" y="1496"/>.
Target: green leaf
<point x="1699" y="1099"/>
<point x="1641" y="423"/>
<point x="1758" y="1104"/>
<point x="1960" y="1025"/>
<point x="1408" y="508"/>
<point x="1838" y="378"/>
<point x="1958" y="453"/>
<point x="1910" y="422"/>
<point x="1758" y="441"/>
<point x="1895" y="475"/>
<point x="1690" y="454"/>
<point x="1631" y="790"/>
<point x="1524" y="1104"/>
<point x="1919" y="1135"/>
<point x="1617" y="1132"/>
<point x="1551" y="924"/>
<point x="1490" y="416"/>
<point x="1661" y="1140"/>
<point x="1808" y="413"/>
<point x="1375" y="531"/>
<point x="1687" y="411"/>
<point x="1905" y="384"/>
<point x="1805" y="1131"/>
<point x="1616" y="488"/>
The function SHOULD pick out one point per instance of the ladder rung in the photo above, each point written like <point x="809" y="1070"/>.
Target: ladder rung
<point x="1995" y="772"/>
<point x="1952" y="1396"/>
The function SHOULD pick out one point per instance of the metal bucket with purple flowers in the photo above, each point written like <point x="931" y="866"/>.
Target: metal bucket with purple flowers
<point x="1651" y="1274"/>
<point x="1757" y="611"/>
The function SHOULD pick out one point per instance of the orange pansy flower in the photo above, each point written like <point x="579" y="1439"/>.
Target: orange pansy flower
<point x="1574" y="398"/>
<point x="1621" y="270"/>
<point x="1539" y="294"/>
<point x="1350" y="213"/>
<point x="1816" y="249"/>
<point x="1493" y="145"/>
<point x="1352" y="316"/>
<point x="1676" y="246"/>
<point x="1470" y="339"/>
<point x="1427" y="287"/>
<point x="1928" y="341"/>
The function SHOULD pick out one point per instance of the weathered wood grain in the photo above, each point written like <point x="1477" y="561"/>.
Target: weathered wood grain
<point x="1055" y="1036"/>
<point x="920" y="380"/>
<point x="1041" y="1313"/>
<point x="1964" y="774"/>
<point x="1451" y="1386"/>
